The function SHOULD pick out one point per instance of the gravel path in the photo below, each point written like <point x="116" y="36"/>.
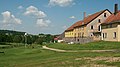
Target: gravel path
<point x="59" y="50"/>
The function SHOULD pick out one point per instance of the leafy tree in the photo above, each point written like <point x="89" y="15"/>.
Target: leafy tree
<point x="49" y="38"/>
<point x="34" y="38"/>
<point x="40" y="40"/>
<point x="17" y="39"/>
<point x="29" y="39"/>
<point x="9" y="38"/>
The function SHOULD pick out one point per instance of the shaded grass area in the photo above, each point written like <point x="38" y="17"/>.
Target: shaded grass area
<point x="6" y="45"/>
<point x="101" y="45"/>
<point x="39" y="57"/>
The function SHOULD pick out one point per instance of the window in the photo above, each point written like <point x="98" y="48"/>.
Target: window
<point x="91" y="34"/>
<point x="99" y="20"/>
<point x="75" y="34"/>
<point x="105" y="35"/>
<point x="78" y="34"/>
<point x="99" y="28"/>
<point x="78" y="40"/>
<point x="82" y="34"/>
<point x="92" y="27"/>
<point x="105" y="15"/>
<point x="114" y="35"/>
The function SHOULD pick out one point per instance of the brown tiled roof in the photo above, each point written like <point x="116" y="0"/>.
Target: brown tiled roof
<point x="79" y="23"/>
<point x="93" y="16"/>
<point x="112" y="18"/>
<point x="72" y="27"/>
<point x="86" y="20"/>
<point x="89" y="18"/>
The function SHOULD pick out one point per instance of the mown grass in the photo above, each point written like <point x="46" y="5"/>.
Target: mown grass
<point x="39" y="57"/>
<point x="101" y="45"/>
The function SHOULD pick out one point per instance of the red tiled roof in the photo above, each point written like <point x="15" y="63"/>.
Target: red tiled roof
<point x="72" y="27"/>
<point x="113" y="18"/>
<point x="92" y="17"/>
<point x="86" y="20"/>
<point x="89" y="18"/>
<point x="79" y="23"/>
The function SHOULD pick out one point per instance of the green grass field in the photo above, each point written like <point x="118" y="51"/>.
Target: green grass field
<point x="39" y="57"/>
<point x="102" y="45"/>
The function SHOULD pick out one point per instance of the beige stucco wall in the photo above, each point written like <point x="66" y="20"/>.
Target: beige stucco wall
<point x="110" y="34"/>
<point x="95" y="24"/>
<point x="118" y="32"/>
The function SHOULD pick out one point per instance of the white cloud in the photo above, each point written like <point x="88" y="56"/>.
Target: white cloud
<point x="61" y="3"/>
<point x="9" y="18"/>
<point x="72" y="17"/>
<point x="20" y="7"/>
<point x="43" y="23"/>
<point x="40" y="16"/>
<point x="33" y="11"/>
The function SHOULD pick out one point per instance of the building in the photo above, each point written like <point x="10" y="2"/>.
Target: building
<point x="89" y="27"/>
<point x="69" y="33"/>
<point x="111" y="26"/>
<point x="59" y="38"/>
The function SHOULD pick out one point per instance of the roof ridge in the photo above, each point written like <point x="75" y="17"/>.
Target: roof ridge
<point x="87" y="20"/>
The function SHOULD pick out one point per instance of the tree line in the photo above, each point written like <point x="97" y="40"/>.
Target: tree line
<point x="18" y="37"/>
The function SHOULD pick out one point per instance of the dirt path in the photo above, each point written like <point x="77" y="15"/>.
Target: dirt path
<point x="59" y="50"/>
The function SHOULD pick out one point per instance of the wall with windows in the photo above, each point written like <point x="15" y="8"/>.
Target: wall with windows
<point x="95" y="25"/>
<point x="118" y="32"/>
<point x="80" y="31"/>
<point x="111" y="34"/>
<point x="69" y="34"/>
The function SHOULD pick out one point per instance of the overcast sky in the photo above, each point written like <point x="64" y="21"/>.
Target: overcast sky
<point x="47" y="16"/>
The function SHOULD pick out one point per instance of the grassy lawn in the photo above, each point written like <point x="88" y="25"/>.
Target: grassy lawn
<point x="102" y="45"/>
<point x="39" y="57"/>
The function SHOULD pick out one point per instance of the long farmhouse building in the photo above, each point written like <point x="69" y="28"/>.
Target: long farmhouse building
<point x="102" y="25"/>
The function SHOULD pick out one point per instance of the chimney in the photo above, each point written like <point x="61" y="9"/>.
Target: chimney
<point x="84" y="15"/>
<point x="116" y="9"/>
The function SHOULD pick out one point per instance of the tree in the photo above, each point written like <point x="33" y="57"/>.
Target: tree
<point x="29" y="39"/>
<point x="17" y="39"/>
<point x="40" y="40"/>
<point x="49" y="38"/>
<point x="34" y="38"/>
<point x="9" y="38"/>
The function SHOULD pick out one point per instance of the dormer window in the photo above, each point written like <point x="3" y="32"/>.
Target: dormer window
<point x="105" y="15"/>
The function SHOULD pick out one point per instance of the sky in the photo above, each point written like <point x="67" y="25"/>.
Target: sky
<point x="48" y="16"/>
